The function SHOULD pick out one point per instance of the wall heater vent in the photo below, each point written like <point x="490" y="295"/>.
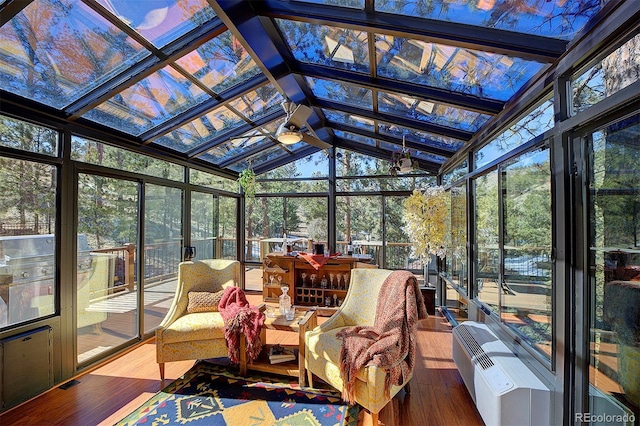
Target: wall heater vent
<point x="505" y="390"/>
<point x="26" y="366"/>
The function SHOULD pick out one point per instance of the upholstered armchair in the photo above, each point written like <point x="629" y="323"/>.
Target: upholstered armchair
<point x="322" y="347"/>
<point x="197" y="335"/>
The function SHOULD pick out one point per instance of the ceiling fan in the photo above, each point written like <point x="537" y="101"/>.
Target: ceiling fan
<point x="289" y="132"/>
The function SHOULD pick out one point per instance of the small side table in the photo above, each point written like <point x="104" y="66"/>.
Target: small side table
<point x="429" y="296"/>
<point x="305" y="320"/>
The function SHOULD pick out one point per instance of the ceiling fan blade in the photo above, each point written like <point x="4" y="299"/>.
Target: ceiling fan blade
<point x="306" y="138"/>
<point x="299" y="117"/>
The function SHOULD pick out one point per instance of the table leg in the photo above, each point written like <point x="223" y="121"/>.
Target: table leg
<point x="243" y="356"/>
<point x="308" y="322"/>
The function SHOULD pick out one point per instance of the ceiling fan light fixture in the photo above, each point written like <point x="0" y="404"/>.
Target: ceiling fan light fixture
<point x="288" y="136"/>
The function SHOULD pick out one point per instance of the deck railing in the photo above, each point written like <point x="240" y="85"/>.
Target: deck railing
<point x="161" y="259"/>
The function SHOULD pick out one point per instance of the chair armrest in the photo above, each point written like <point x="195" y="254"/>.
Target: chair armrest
<point x="336" y="321"/>
<point x="174" y="311"/>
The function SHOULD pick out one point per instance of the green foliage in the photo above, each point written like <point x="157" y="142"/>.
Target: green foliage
<point x="247" y="180"/>
<point x="93" y="152"/>
<point x="528" y="207"/>
<point x="107" y="210"/>
<point x="28" y="137"/>
<point x="28" y="188"/>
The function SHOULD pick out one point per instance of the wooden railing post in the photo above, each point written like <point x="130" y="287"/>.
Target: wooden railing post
<point x="129" y="266"/>
<point x="219" y="245"/>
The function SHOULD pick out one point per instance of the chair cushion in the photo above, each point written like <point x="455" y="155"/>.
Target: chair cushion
<point x="196" y="326"/>
<point x="329" y="346"/>
<point x="204" y="301"/>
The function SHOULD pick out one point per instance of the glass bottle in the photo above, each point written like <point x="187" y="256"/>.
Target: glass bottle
<point x="350" y="248"/>
<point x="284" y="300"/>
<point x="284" y="243"/>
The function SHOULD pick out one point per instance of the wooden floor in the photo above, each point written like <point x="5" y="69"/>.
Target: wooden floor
<point x="107" y="394"/>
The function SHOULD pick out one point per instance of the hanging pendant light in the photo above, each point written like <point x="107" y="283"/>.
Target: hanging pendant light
<point x="404" y="163"/>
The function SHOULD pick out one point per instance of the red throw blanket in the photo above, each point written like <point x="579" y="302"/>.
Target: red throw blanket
<point x="391" y="343"/>
<point x="317" y="260"/>
<point x="240" y="319"/>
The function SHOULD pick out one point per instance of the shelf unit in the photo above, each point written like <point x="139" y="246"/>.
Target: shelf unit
<point x="271" y="292"/>
<point x="292" y="268"/>
<point x="304" y="321"/>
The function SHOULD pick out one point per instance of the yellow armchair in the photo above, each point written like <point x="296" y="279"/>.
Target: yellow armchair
<point x="322" y="347"/>
<point x="184" y="336"/>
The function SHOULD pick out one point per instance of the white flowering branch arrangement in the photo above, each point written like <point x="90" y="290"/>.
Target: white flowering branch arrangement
<point x="426" y="220"/>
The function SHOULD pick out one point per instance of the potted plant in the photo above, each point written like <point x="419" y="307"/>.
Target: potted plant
<point x="426" y="221"/>
<point x="247" y="180"/>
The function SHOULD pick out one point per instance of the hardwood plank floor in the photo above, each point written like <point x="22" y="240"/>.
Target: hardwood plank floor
<point x="107" y="394"/>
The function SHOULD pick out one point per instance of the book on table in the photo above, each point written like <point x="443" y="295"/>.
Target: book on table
<point x="278" y="354"/>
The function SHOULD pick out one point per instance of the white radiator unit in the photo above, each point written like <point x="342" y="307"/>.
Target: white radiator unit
<point x="505" y="390"/>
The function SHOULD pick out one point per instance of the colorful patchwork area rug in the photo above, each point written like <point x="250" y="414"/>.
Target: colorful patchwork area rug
<point x="209" y="394"/>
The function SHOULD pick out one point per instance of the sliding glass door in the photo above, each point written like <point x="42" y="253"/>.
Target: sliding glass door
<point x="612" y="292"/>
<point x="106" y="297"/>
<point x="162" y="250"/>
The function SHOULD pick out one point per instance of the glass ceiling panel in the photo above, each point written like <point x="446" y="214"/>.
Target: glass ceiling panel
<point x="221" y="63"/>
<point x="236" y="146"/>
<point x="54" y="52"/>
<point x="325" y="45"/>
<point x="355" y="137"/>
<point x="150" y="102"/>
<point x="428" y="139"/>
<point x="482" y="74"/>
<point x="341" y="92"/>
<point x="259" y="158"/>
<point x="430" y="112"/>
<point x="258" y="103"/>
<point x="414" y="153"/>
<point x="556" y="18"/>
<point x="201" y="130"/>
<point x="296" y="147"/>
<point x="348" y="119"/>
<point x="355" y="4"/>
<point x="161" y="21"/>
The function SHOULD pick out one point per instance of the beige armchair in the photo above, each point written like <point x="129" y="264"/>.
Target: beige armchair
<point x="184" y="336"/>
<point x="322" y="347"/>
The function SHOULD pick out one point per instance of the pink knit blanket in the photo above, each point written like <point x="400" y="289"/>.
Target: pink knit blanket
<point x="240" y="319"/>
<point x="391" y="342"/>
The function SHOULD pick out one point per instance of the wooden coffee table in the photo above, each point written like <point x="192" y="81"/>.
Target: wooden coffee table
<point x="305" y="320"/>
